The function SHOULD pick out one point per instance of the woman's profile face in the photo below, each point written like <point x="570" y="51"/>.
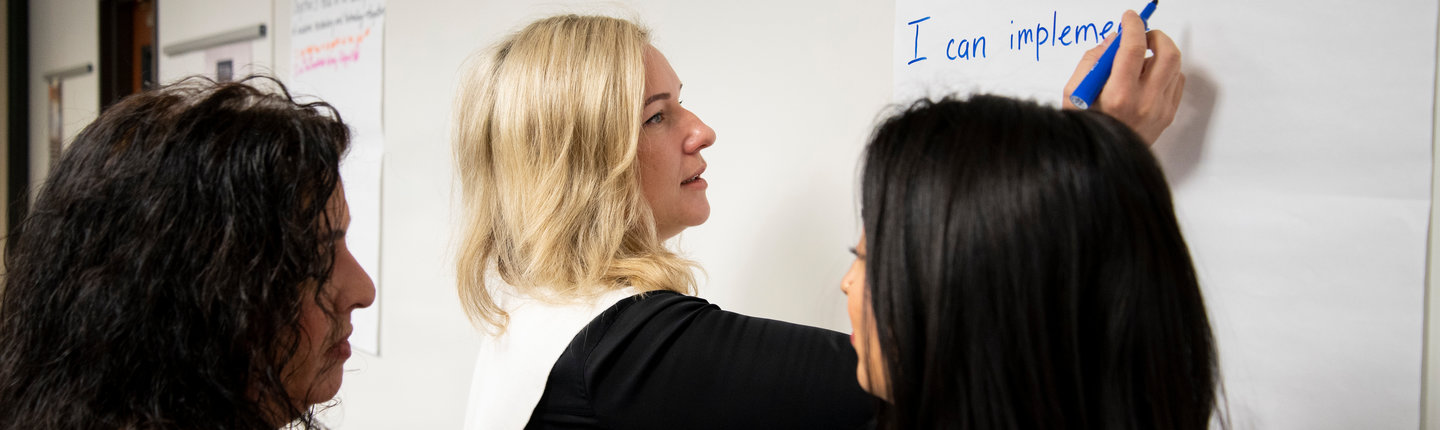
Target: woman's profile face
<point x="671" y="138"/>
<point x="313" y="375"/>
<point x="863" y="335"/>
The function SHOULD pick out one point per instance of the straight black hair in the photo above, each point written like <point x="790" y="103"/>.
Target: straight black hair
<point x="158" y="281"/>
<point x="1025" y="271"/>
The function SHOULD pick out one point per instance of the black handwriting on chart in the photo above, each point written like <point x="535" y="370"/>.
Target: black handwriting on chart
<point x="974" y="47"/>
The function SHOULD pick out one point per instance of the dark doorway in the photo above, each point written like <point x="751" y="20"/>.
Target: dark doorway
<point x="17" y="101"/>
<point x="127" y="48"/>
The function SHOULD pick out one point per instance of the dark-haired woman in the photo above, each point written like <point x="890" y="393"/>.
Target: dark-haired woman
<point x="184" y="267"/>
<point x="1021" y="268"/>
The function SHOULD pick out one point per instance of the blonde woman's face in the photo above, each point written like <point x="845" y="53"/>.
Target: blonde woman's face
<point x="863" y="336"/>
<point x="670" y="142"/>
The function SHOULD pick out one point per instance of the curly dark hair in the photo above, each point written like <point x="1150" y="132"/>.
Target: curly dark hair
<point x="157" y="282"/>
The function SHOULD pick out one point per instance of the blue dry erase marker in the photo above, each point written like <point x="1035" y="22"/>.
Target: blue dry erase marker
<point x="1090" y="87"/>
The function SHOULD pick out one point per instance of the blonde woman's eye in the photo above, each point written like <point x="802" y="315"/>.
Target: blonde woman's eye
<point x="659" y="117"/>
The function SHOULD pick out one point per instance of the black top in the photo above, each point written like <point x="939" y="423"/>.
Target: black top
<point x="663" y="360"/>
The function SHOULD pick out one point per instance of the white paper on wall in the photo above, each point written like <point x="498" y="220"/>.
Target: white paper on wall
<point x="1300" y="163"/>
<point x="336" y="53"/>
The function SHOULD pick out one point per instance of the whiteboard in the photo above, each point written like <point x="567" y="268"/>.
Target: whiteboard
<point x="1300" y="163"/>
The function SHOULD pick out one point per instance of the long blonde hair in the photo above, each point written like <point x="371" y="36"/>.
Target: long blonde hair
<point x="547" y="127"/>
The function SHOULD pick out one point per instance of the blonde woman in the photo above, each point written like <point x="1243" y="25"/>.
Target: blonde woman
<point x="577" y="162"/>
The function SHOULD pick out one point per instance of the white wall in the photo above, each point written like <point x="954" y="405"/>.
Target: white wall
<point x="63" y="34"/>
<point x="1430" y="394"/>
<point x="184" y="20"/>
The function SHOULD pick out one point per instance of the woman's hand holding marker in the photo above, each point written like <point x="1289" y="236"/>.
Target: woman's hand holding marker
<point x="1141" y="92"/>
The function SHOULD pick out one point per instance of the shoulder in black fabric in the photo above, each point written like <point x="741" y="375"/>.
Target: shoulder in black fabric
<point x="663" y="360"/>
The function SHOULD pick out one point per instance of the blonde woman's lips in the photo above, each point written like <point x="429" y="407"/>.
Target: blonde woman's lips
<point x="694" y="179"/>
